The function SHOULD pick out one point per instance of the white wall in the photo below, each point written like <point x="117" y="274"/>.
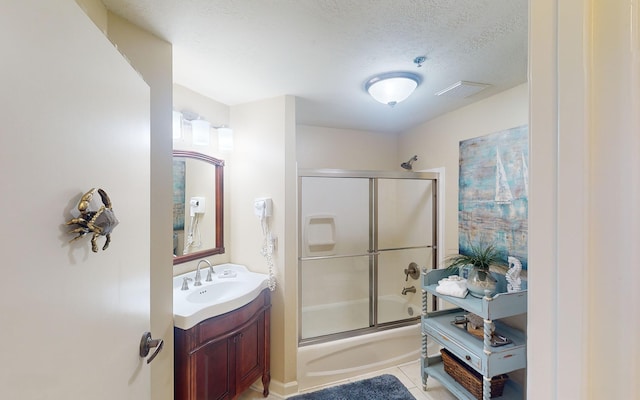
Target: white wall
<point x="437" y="143"/>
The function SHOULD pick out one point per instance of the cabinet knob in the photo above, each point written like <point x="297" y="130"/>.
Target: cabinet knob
<point x="467" y="357"/>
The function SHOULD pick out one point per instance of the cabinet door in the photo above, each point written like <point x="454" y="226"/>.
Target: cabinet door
<point x="213" y="376"/>
<point x="249" y="351"/>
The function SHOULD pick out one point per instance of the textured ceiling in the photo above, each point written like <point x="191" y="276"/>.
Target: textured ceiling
<point x="323" y="51"/>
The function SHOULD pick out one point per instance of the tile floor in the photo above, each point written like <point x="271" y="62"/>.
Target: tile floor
<point x="408" y="374"/>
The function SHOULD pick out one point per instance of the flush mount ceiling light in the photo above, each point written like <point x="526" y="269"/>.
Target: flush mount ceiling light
<point x="393" y="87"/>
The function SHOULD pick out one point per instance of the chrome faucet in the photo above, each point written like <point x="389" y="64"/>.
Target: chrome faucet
<point x="198" y="278"/>
<point x="411" y="289"/>
<point x="185" y="283"/>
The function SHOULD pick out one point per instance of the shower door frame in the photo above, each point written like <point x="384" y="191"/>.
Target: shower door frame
<point x="373" y="251"/>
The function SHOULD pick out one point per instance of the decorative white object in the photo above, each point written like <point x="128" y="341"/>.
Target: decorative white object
<point x="513" y="275"/>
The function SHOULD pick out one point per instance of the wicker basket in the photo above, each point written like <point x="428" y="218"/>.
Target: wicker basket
<point x="469" y="378"/>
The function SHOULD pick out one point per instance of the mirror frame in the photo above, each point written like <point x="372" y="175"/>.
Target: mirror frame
<point x="219" y="197"/>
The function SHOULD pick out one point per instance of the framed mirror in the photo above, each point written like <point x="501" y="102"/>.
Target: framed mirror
<point x="198" y="206"/>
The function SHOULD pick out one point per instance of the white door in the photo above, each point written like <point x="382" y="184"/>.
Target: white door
<point x="73" y="116"/>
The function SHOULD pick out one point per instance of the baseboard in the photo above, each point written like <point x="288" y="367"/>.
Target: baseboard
<point x="277" y="389"/>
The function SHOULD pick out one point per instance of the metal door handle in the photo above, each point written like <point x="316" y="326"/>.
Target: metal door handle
<point x="146" y="343"/>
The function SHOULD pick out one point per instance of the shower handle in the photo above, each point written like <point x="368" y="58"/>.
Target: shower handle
<point x="413" y="271"/>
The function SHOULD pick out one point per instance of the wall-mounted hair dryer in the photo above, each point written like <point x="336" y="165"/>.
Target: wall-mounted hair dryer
<point x="196" y="205"/>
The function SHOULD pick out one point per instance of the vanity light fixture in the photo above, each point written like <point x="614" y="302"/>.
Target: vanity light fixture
<point x="177" y="125"/>
<point x="392" y="87"/>
<point x="200" y="130"/>
<point x="225" y="139"/>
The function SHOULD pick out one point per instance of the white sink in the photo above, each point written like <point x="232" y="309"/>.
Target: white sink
<point x="232" y="287"/>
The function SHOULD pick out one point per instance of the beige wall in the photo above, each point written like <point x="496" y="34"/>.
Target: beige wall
<point x="437" y="143"/>
<point x="584" y="224"/>
<point x="614" y="134"/>
<point x="97" y="12"/>
<point x="320" y="147"/>
<point x="263" y="165"/>
<point x="217" y="114"/>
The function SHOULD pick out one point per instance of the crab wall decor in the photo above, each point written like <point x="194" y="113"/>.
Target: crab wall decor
<point x="100" y="222"/>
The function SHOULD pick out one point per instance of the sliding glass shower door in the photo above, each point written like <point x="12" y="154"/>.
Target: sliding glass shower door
<point x="335" y="258"/>
<point x="363" y="238"/>
<point x="404" y="232"/>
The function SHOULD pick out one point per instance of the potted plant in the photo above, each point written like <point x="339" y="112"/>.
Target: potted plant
<point x="479" y="258"/>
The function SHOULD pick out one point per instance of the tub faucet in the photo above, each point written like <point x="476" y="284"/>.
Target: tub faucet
<point x="410" y="289"/>
<point x="198" y="279"/>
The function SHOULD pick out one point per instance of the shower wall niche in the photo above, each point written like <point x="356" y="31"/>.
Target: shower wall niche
<point x="359" y="231"/>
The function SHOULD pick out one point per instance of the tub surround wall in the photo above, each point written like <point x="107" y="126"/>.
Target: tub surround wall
<point x="403" y="229"/>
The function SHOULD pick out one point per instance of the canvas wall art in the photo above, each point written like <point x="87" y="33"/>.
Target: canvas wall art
<point x="494" y="191"/>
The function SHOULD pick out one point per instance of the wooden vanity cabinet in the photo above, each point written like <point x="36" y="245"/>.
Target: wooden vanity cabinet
<point x="221" y="357"/>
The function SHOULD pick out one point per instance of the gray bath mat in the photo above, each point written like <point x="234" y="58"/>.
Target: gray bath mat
<point x="383" y="387"/>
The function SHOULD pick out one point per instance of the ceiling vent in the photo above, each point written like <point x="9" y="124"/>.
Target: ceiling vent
<point x="462" y="89"/>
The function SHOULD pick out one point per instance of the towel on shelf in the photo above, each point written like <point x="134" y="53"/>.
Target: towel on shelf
<point x="453" y="286"/>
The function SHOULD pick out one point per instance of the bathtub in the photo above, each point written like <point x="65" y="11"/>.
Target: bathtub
<point x="346" y="316"/>
<point x="327" y="362"/>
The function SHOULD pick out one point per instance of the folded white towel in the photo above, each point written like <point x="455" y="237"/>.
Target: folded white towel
<point x="453" y="286"/>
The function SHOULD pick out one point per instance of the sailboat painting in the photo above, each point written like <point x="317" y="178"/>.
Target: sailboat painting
<point x="503" y="190"/>
<point x="493" y="192"/>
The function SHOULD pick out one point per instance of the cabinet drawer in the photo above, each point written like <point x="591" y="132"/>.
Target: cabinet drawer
<point x="450" y="339"/>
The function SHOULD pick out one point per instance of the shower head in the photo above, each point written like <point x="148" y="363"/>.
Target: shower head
<point x="407" y="165"/>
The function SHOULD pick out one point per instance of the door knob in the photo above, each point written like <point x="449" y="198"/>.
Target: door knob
<point x="147" y="343"/>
